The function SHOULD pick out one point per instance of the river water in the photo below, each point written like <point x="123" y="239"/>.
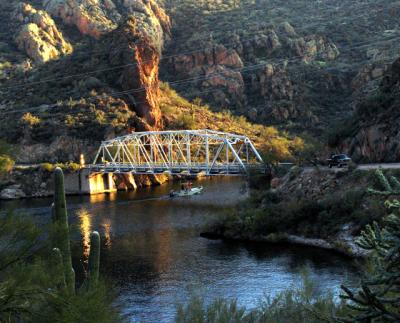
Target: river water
<point x="153" y="254"/>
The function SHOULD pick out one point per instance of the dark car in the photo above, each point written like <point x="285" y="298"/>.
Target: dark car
<point x="338" y="160"/>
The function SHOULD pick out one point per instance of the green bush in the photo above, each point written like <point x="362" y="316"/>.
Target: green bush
<point x="29" y="285"/>
<point x="265" y="213"/>
<point x="297" y="304"/>
<point x="69" y="166"/>
<point x="6" y="164"/>
<point x="6" y="160"/>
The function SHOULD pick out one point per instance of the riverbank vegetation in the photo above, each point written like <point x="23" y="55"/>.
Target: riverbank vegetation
<point x="37" y="281"/>
<point x="321" y="210"/>
<point x="297" y="304"/>
<point x="180" y="113"/>
<point x="6" y="160"/>
<point x="29" y="287"/>
<point x="377" y="299"/>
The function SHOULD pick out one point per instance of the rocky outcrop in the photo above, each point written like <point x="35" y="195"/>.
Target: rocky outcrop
<point x="38" y="35"/>
<point x="12" y="192"/>
<point x="237" y="69"/>
<point x="313" y="47"/>
<point x="137" y="45"/>
<point x="216" y="68"/>
<point x="91" y="17"/>
<point x="98" y="17"/>
<point x="375" y="133"/>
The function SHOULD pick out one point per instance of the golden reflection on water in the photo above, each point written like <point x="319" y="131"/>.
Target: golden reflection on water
<point x="107" y="232"/>
<point x="97" y="198"/>
<point x="86" y="228"/>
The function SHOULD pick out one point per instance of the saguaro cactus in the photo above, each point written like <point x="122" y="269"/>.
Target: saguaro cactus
<point x="62" y="251"/>
<point x="57" y="267"/>
<point x="94" y="258"/>
<point x="61" y="236"/>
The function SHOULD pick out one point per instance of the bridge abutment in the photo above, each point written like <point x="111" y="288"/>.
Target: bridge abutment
<point x="85" y="182"/>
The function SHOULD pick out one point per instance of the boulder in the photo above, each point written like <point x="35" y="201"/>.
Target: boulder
<point x="91" y="17"/>
<point x="98" y="17"/>
<point x="12" y="192"/>
<point x="38" y="35"/>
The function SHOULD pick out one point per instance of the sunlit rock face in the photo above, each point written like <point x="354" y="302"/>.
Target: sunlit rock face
<point x="98" y="17"/>
<point x="38" y="35"/>
<point x="137" y="45"/>
<point x="137" y="30"/>
<point x="91" y="17"/>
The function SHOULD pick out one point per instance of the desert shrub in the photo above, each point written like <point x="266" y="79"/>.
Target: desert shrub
<point x="29" y="283"/>
<point x="375" y="104"/>
<point x="6" y="159"/>
<point x="378" y="297"/>
<point x="265" y="213"/>
<point x="294" y="172"/>
<point x="185" y="121"/>
<point x="342" y="130"/>
<point x="297" y="304"/>
<point x="29" y="120"/>
<point x="218" y="311"/>
<point x="6" y="164"/>
<point x="69" y="166"/>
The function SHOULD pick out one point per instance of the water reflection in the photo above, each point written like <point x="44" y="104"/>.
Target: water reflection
<point x="151" y="249"/>
<point x="106" y="225"/>
<point x="86" y="229"/>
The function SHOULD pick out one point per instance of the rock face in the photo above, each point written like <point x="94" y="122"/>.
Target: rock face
<point x="12" y="192"/>
<point x="91" y="17"/>
<point x="98" y="17"/>
<point x="39" y="36"/>
<point x="216" y="68"/>
<point x="375" y="135"/>
<point x="137" y="44"/>
<point x="135" y="31"/>
<point x="237" y="69"/>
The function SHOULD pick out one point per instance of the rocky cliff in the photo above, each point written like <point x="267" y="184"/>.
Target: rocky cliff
<point x="374" y="131"/>
<point x="92" y="66"/>
<point x="137" y="45"/>
<point x="124" y="37"/>
<point x="300" y="66"/>
<point x="38" y="35"/>
<point x="235" y="68"/>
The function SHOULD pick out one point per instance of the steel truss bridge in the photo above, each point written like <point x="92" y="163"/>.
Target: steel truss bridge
<point x="178" y="152"/>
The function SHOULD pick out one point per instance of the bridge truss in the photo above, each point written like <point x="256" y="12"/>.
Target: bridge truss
<point x="178" y="152"/>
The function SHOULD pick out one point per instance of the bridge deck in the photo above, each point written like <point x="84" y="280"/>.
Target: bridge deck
<point x="177" y="169"/>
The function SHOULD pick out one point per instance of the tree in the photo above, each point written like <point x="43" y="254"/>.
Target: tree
<point x="378" y="298"/>
<point x="6" y="160"/>
<point x="310" y="152"/>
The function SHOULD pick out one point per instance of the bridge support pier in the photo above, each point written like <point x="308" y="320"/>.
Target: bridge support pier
<point x="85" y="182"/>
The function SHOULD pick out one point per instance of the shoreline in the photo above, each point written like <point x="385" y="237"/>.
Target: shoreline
<point x="343" y="244"/>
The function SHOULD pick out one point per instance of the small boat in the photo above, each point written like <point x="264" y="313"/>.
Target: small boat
<point x="187" y="192"/>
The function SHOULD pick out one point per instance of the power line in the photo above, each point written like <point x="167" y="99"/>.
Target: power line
<point x="165" y="57"/>
<point x="177" y="82"/>
<point x="260" y="29"/>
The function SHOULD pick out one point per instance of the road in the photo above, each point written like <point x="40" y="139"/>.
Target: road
<point x="376" y="166"/>
<point x="360" y="166"/>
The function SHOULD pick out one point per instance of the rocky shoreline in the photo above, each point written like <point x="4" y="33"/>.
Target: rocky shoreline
<point x="37" y="182"/>
<point x="344" y="243"/>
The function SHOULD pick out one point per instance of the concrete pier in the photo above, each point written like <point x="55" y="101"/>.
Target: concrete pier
<point x="84" y="182"/>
